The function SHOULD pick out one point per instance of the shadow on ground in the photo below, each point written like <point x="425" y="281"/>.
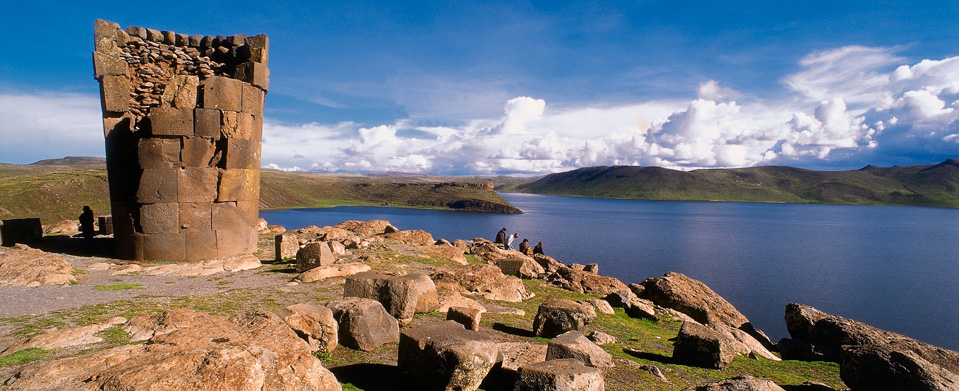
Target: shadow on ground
<point x="370" y="377"/>
<point x="100" y="246"/>
<point x="650" y="356"/>
<point x="503" y="328"/>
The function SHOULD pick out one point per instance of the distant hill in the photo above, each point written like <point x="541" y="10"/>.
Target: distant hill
<point x="57" y="189"/>
<point x="925" y="185"/>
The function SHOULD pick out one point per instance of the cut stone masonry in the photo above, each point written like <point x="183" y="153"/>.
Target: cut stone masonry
<point x="182" y="122"/>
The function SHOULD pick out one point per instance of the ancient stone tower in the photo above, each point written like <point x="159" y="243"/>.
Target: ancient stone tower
<point x="182" y="119"/>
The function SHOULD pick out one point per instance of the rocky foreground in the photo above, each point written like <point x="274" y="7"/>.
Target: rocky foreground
<point x="364" y="305"/>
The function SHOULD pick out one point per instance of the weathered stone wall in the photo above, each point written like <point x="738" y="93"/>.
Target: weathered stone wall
<point x="182" y="122"/>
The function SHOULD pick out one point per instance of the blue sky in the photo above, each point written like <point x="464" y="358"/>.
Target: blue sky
<point x="533" y="87"/>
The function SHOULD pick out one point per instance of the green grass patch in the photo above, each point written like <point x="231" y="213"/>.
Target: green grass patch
<point x="23" y="356"/>
<point x="115" y="335"/>
<point x="473" y="259"/>
<point x="118" y="287"/>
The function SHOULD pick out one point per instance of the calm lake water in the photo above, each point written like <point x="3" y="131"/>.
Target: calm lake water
<point x="896" y="268"/>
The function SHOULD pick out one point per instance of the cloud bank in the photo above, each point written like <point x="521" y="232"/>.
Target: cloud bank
<point x="845" y="107"/>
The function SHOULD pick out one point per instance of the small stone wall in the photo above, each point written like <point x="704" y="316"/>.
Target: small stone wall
<point x="182" y="122"/>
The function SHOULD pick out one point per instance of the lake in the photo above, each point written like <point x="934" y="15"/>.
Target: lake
<point x="896" y="268"/>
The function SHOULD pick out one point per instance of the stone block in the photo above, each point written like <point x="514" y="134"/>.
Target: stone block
<point x="227" y="216"/>
<point x="154" y="35"/>
<point x="252" y="102"/>
<point x="137" y="31"/>
<point x="169" y="37"/>
<point x="564" y="374"/>
<point x="316" y="254"/>
<point x="115" y="93"/>
<point x="129" y="246"/>
<point x="236" y="125"/>
<point x="254" y="73"/>
<point x="14" y="231"/>
<point x="171" y="121"/>
<point x="105" y="36"/>
<point x="259" y="46"/>
<point x="196" y="152"/>
<point x="207" y="123"/>
<point x="222" y="93"/>
<point x="573" y="344"/>
<point x="120" y="124"/>
<point x="402" y="296"/>
<point x="196" y="216"/>
<point x="104" y="28"/>
<point x="124" y="182"/>
<point x="165" y="246"/>
<point x="313" y="323"/>
<point x="104" y="64"/>
<point x="698" y="345"/>
<point x="125" y="217"/>
<point x="242" y="154"/>
<point x="235" y="241"/>
<point x="155" y="152"/>
<point x="557" y="316"/>
<point x="257" y="128"/>
<point x="445" y="356"/>
<point x="182" y="40"/>
<point x="363" y="323"/>
<point x="160" y="218"/>
<point x="157" y="186"/>
<point x="238" y="185"/>
<point x="199" y="245"/>
<point x="105" y="223"/>
<point x="249" y="210"/>
<point x="195" y="40"/>
<point x="196" y="184"/>
<point x="181" y="92"/>
<point x="466" y="316"/>
<point x="285" y="246"/>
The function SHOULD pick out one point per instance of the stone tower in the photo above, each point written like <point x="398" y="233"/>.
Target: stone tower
<point x="182" y="122"/>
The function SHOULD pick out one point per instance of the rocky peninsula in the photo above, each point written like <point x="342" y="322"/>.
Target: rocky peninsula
<point x="365" y="305"/>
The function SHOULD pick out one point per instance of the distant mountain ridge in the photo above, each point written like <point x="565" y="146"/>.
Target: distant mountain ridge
<point x="923" y="185"/>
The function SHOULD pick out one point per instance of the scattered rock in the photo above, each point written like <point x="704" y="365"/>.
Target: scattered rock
<point x="549" y="264"/>
<point x="250" y="351"/>
<point x="519" y="354"/>
<point x="314" y="323"/>
<point x="312" y="255"/>
<point x="739" y="383"/>
<point x="620" y="298"/>
<point x="449" y="299"/>
<point x="519" y="265"/>
<point x="285" y="246"/>
<point x="557" y="316"/>
<point x="24" y="266"/>
<point x="446" y="356"/>
<point x="602" y="306"/>
<point x="573" y="344"/>
<point x="65" y="227"/>
<point x="365" y="228"/>
<point x="335" y="270"/>
<point x="486" y="280"/>
<point x="583" y="282"/>
<point x="701" y="346"/>
<point x="468" y="317"/>
<point x="641" y="308"/>
<point x="564" y="374"/>
<point x="454" y="254"/>
<point x="601" y="338"/>
<point x="363" y="323"/>
<point x="402" y="296"/>
<point x="412" y="237"/>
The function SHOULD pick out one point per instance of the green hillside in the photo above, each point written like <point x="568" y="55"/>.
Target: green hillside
<point x="927" y="185"/>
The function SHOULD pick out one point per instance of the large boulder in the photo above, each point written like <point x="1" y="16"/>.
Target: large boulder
<point x="519" y="265"/>
<point x="698" y="301"/>
<point x="520" y="354"/>
<point x="312" y="255"/>
<point x="444" y="355"/>
<point x="557" y="316"/>
<point x="876" y="367"/>
<point x="485" y="280"/>
<point x="413" y="237"/>
<point x="314" y="323"/>
<point x="363" y="323"/>
<point x="62" y="338"/>
<point x="870" y="358"/>
<point x="739" y="383"/>
<point x="24" y="266"/>
<point x="466" y="316"/>
<point x="583" y="282"/>
<point x="364" y="228"/>
<point x="402" y="296"/>
<point x="573" y="344"/>
<point x="250" y="351"/>
<point x="701" y="346"/>
<point x="565" y="374"/>
<point x="549" y="264"/>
